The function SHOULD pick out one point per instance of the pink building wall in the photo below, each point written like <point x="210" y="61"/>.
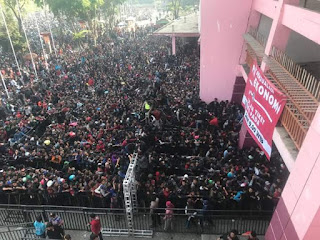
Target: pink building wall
<point x="221" y="46"/>
<point x="297" y="215"/>
<point x="302" y="21"/>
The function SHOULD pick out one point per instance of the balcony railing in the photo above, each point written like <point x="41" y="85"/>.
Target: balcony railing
<point x="299" y="86"/>
<point x="258" y="36"/>
<point x="306" y="79"/>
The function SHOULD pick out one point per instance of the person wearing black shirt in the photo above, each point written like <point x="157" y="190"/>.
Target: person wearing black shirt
<point x="232" y="235"/>
<point x="54" y="232"/>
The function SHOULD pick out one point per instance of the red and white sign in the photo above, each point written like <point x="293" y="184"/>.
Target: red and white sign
<point x="263" y="104"/>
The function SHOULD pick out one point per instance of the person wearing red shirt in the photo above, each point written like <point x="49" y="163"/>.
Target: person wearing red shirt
<point x="91" y="82"/>
<point x="214" y="122"/>
<point x="95" y="225"/>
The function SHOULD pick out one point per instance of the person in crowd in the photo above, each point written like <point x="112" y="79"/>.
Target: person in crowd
<point x="253" y="236"/>
<point x="95" y="225"/>
<point x="168" y="217"/>
<point x="67" y="237"/>
<point x="68" y="137"/>
<point x="54" y="231"/>
<point x="94" y="236"/>
<point x="40" y="227"/>
<point x="232" y="235"/>
<point x="56" y="220"/>
<point x="155" y="217"/>
<point x="190" y="212"/>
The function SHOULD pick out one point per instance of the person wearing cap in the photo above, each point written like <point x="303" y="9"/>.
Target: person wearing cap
<point x="95" y="225"/>
<point x="168" y="223"/>
<point x="55" y="220"/>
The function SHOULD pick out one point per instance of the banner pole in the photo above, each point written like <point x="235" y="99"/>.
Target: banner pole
<point x="53" y="44"/>
<point x="43" y="50"/>
<point x="27" y="40"/>
<point x="4" y="85"/>
<point x="8" y="33"/>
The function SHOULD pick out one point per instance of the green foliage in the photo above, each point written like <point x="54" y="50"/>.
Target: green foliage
<point x="110" y="8"/>
<point x="145" y="1"/>
<point x="80" y="35"/>
<point x="190" y="3"/>
<point x="176" y="6"/>
<point x="76" y="9"/>
<point x="17" y="39"/>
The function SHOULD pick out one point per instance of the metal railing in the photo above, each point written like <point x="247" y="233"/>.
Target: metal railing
<point x="17" y="234"/>
<point x="299" y="87"/>
<point x="262" y="39"/>
<point x="303" y="76"/>
<point x="293" y="119"/>
<point x="310" y="82"/>
<point x="80" y="199"/>
<point x="293" y="126"/>
<point x="76" y="218"/>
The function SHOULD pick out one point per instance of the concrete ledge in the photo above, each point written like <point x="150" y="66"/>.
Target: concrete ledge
<point x="285" y="146"/>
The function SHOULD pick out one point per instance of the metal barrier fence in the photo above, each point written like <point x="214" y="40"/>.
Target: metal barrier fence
<point x="75" y="218"/>
<point x="14" y="234"/>
<point x="114" y="221"/>
<point x="212" y="222"/>
<point x="80" y="199"/>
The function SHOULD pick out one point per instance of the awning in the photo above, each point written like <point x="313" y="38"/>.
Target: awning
<point x="186" y="26"/>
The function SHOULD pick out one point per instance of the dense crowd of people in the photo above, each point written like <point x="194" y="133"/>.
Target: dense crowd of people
<point x="68" y="137"/>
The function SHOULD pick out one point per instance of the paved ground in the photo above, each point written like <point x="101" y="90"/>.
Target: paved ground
<point x="214" y="237"/>
<point x="84" y="235"/>
<point x="80" y="235"/>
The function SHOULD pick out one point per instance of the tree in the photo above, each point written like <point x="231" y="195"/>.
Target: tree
<point x="75" y="10"/>
<point x="18" y="40"/>
<point x="79" y="36"/>
<point x="193" y="3"/>
<point x="110" y="9"/>
<point x="175" y="6"/>
<point x="14" y="6"/>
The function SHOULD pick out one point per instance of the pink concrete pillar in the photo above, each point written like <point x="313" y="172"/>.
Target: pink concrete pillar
<point x="245" y="139"/>
<point x="254" y="20"/>
<point x="297" y="214"/>
<point x="279" y="34"/>
<point x="222" y="25"/>
<point x="173" y="45"/>
<point x="314" y="228"/>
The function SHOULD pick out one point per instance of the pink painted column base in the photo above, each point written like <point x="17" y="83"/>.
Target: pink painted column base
<point x="245" y="139"/>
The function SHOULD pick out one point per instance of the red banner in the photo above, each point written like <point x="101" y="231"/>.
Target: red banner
<point x="263" y="104"/>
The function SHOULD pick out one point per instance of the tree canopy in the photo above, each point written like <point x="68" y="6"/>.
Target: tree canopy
<point x="15" y="29"/>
